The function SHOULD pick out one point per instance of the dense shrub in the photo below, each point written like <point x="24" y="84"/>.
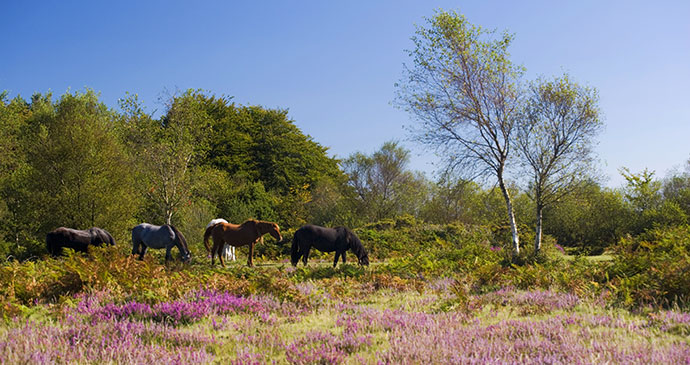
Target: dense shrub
<point x="54" y="279"/>
<point x="652" y="268"/>
<point x="405" y="237"/>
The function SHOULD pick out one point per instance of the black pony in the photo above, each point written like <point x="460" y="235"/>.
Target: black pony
<point x="78" y="240"/>
<point x="338" y="239"/>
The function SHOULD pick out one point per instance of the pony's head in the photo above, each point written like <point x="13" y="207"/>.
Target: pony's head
<point x="357" y="248"/>
<point x="270" y="228"/>
<point x="186" y="256"/>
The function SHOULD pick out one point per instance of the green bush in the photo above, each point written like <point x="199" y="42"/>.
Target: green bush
<point x="652" y="268"/>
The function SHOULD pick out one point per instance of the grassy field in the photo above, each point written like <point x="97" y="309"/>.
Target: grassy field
<point x="432" y="294"/>
<point x="595" y="258"/>
<point x="318" y="315"/>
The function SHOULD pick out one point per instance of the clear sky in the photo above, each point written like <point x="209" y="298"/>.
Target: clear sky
<point x="333" y="64"/>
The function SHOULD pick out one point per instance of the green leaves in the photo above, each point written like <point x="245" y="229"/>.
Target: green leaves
<point x="463" y="91"/>
<point x="78" y="171"/>
<point x="382" y="184"/>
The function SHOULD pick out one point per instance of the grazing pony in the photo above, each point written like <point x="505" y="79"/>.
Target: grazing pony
<point x="146" y="236"/>
<point x="248" y="233"/>
<point x="338" y="239"/>
<point x="228" y="251"/>
<point x="78" y="240"/>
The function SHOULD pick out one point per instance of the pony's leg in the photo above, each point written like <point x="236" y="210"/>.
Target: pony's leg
<point x="219" y="252"/>
<point x="168" y="255"/>
<point x="213" y="252"/>
<point x="335" y="261"/>
<point x="136" y="248"/>
<point x="305" y="254"/>
<point x="216" y="250"/>
<point x="299" y="256"/>
<point x="227" y="252"/>
<point x="221" y="255"/>
<point x="342" y="255"/>
<point x="232" y="252"/>
<point x="250" y="260"/>
<point x="142" y="251"/>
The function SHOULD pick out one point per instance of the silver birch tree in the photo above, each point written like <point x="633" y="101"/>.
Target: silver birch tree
<point x="555" y="139"/>
<point x="463" y="90"/>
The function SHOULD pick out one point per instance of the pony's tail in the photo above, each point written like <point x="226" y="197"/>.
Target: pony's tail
<point x="49" y="244"/>
<point x="294" y="252"/>
<point x="207" y="234"/>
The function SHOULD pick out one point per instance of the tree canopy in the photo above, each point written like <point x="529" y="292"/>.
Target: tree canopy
<point x="463" y="89"/>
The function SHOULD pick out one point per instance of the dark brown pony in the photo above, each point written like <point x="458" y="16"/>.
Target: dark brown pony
<point x="338" y="239"/>
<point x="78" y="240"/>
<point x="248" y="233"/>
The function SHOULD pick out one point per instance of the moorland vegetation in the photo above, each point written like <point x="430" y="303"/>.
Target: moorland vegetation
<point x="538" y="261"/>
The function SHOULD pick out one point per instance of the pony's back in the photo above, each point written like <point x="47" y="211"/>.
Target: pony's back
<point x="215" y="221"/>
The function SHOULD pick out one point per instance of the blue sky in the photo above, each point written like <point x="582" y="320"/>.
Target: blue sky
<point x="333" y="64"/>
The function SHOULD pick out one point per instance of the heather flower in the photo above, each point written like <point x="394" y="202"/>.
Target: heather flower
<point x="248" y="358"/>
<point x="315" y="348"/>
<point x="539" y="301"/>
<point x="196" y="306"/>
<point x="671" y="321"/>
<point x="259" y="329"/>
<point x="441" y="284"/>
<point x="110" y="341"/>
<point x="306" y="288"/>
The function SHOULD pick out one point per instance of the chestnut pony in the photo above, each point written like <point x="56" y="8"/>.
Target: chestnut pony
<point x="248" y="233"/>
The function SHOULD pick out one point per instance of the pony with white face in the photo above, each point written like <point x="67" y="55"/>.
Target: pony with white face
<point x="228" y="250"/>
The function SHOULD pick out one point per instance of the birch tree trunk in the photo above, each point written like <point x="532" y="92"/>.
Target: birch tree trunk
<point x="511" y="217"/>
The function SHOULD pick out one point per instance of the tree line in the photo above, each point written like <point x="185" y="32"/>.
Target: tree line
<point x="517" y="155"/>
<point x="72" y="161"/>
<point x="473" y="106"/>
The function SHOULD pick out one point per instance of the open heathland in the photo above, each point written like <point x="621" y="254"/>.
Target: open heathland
<point x="451" y="297"/>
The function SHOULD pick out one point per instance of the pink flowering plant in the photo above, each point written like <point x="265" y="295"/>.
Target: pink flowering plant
<point x="459" y="302"/>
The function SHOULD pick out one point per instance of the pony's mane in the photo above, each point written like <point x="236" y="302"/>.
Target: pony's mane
<point x="356" y="245"/>
<point x="258" y="223"/>
<point x="249" y="221"/>
<point x="183" y="241"/>
<point x="267" y="223"/>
